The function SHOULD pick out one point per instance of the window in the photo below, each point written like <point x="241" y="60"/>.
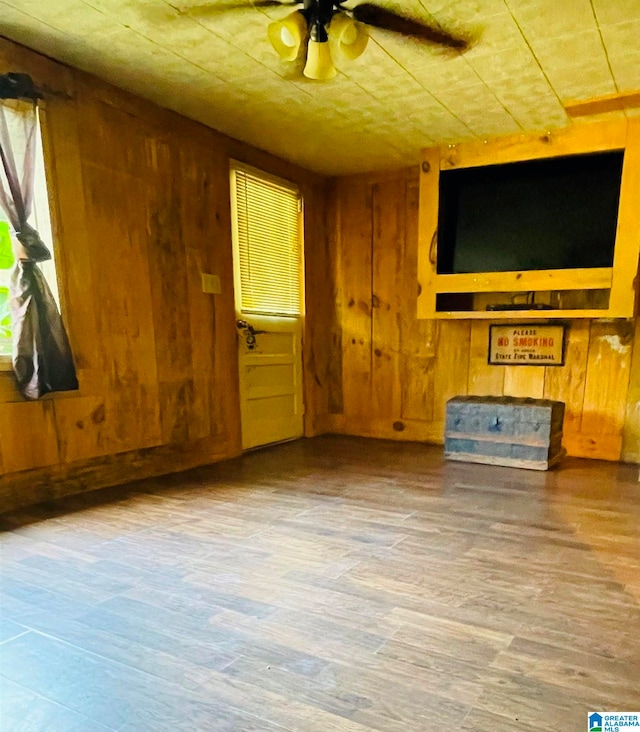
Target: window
<point x="267" y="224"/>
<point x="39" y="220"/>
<point x="6" y="264"/>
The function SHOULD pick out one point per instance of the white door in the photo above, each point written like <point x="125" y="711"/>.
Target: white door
<point x="270" y="365"/>
<point x="267" y="233"/>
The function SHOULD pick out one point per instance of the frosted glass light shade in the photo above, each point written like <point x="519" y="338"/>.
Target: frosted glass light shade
<point x="319" y="64"/>
<point x="350" y="37"/>
<point x="286" y="35"/>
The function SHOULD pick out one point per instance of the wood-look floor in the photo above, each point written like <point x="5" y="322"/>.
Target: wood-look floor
<point x="324" y="585"/>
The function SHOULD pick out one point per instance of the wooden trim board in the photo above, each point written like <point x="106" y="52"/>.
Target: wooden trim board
<point x="603" y="105"/>
<point x="519" y="314"/>
<point x="549" y="279"/>
<point x="30" y="487"/>
<point x="571" y="140"/>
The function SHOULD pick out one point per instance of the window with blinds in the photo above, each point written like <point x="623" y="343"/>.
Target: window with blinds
<point x="268" y="231"/>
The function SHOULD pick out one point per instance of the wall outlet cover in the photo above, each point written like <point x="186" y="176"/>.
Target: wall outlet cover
<point x="211" y="284"/>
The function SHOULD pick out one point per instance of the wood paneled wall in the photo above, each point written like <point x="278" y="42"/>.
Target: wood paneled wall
<point x="140" y="207"/>
<point x="393" y="374"/>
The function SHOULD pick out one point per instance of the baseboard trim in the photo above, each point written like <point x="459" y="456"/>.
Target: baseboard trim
<point x="594" y="447"/>
<point x="30" y="487"/>
<point x="405" y="430"/>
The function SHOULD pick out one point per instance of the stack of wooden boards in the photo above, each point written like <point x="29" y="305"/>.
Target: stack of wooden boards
<point x="516" y="432"/>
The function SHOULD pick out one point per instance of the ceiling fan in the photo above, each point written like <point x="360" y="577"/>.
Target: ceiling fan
<point x="327" y="25"/>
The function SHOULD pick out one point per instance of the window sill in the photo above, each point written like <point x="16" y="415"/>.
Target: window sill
<point x="9" y="391"/>
<point x="5" y="363"/>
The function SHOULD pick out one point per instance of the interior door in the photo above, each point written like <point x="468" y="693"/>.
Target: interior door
<point x="267" y="233"/>
<point x="270" y="362"/>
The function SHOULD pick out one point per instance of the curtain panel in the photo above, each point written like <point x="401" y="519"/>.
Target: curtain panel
<point x="42" y="358"/>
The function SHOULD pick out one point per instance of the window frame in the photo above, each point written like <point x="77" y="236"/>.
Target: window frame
<point x="237" y="165"/>
<point x="56" y="285"/>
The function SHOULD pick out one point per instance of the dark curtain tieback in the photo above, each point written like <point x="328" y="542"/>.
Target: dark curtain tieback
<point x="35" y="248"/>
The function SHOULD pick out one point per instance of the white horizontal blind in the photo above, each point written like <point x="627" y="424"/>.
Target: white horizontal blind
<point x="268" y="240"/>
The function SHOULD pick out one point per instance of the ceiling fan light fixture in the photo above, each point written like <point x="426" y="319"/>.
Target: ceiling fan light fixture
<point x="319" y="64"/>
<point x="350" y="37"/>
<point x="286" y="35"/>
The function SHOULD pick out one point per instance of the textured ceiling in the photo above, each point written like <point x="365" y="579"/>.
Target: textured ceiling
<point x="529" y="58"/>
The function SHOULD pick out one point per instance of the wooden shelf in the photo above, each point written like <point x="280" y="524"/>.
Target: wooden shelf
<point x="616" y="281"/>
<point x="521" y="314"/>
<point x="549" y="279"/>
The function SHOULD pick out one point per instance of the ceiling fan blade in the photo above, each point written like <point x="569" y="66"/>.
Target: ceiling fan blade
<point x="388" y="20"/>
<point x="210" y="9"/>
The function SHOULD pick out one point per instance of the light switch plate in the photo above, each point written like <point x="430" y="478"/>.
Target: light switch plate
<point x="211" y="284"/>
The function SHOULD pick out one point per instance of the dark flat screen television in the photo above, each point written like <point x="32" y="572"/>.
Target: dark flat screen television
<point x="555" y="213"/>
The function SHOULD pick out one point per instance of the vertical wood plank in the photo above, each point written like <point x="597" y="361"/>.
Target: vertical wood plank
<point x="334" y="242"/>
<point x="320" y="313"/>
<point x="428" y="231"/>
<point x="63" y="164"/>
<point x="125" y="330"/>
<point x="524" y="381"/>
<point x="388" y="202"/>
<point x="197" y="214"/>
<point x="169" y="292"/>
<point x="566" y="383"/>
<point x="356" y="245"/>
<point x="113" y="148"/>
<point x="452" y="367"/>
<point x="417" y="337"/>
<point x="226" y="396"/>
<point x="607" y="379"/>
<point x="631" y="434"/>
<point x="627" y="250"/>
<point x="484" y="379"/>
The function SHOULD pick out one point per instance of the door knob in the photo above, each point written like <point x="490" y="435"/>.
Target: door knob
<point x="250" y="333"/>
